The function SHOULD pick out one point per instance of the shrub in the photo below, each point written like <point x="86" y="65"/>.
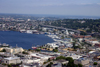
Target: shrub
<point x="4" y="64"/>
<point x="9" y="65"/>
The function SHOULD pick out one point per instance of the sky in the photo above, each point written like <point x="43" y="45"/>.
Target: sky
<point x="51" y="7"/>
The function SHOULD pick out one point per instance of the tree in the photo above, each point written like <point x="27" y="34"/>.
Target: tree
<point x="29" y="49"/>
<point x="80" y="65"/>
<point x="25" y="52"/>
<point x="49" y="59"/>
<point x="89" y="30"/>
<point x="51" y="62"/>
<point x="95" y="63"/>
<point x="69" y="58"/>
<point x="71" y="62"/>
<point x="55" y="50"/>
<point x="3" y="50"/>
<point x="49" y="65"/>
<point x="9" y="65"/>
<point x="74" y="44"/>
<point x="83" y="33"/>
<point x="62" y="37"/>
<point x="60" y="57"/>
<point x="37" y="49"/>
<point x="44" y="62"/>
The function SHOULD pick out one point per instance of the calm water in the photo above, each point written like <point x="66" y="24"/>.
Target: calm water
<point x="23" y="40"/>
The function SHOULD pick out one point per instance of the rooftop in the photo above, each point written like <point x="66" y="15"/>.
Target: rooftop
<point x="11" y="58"/>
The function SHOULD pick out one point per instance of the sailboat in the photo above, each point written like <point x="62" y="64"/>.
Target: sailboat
<point x="33" y="47"/>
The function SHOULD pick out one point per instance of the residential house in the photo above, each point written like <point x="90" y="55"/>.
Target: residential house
<point x="14" y="60"/>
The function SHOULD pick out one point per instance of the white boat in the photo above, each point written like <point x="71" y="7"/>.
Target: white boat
<point x="34" y="47"/>
<point x="29" y="31"/>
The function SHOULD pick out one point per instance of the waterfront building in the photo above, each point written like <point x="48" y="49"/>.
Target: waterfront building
<point x="52" y="45"/>
<point x="14" y="50"/>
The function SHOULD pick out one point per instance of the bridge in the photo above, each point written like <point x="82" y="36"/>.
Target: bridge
<point x="49" y="26"/>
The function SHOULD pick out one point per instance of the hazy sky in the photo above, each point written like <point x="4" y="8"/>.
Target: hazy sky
<point x="55" y="7"/>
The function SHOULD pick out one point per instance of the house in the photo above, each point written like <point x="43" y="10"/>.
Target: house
<point x="14" y="50"/>
<point x="80" y="39"/>
<point x="53" y="45"/>
<point x="71" y="33"/>
<point x="63" y="61"/>
<point x="92" y="41"/>
<point x="5" y="54"/>
<point x="82" y="61"/>
<point x="42" y="57"/>
<point x="30" y="65"/>
<point x="74" y="56"/>
<point x="14" y="60"/>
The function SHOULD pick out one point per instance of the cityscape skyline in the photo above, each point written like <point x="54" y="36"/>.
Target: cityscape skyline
<point x="53" y="7"/>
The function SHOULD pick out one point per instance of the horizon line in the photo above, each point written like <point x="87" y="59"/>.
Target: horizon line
<point x="52" y="14"/>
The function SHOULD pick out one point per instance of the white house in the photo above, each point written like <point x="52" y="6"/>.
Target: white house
<point x="53" y="45"/>
<point x="13" y="60"/>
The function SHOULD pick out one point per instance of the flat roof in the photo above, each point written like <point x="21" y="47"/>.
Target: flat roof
<point x="11" y="58"/>
<point x="40" y="55"/>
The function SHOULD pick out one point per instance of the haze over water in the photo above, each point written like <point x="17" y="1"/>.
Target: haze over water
<point x="23" y="40"/>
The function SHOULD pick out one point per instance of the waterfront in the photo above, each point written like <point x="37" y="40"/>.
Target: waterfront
<point x="23" y="40"/>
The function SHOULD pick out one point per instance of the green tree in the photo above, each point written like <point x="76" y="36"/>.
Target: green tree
<point x="44" y="62"/>
<point x="49" y="65"/>
<point x="95" y="63"/>
<point x="37" y="49"/>
<point x="71" y="62"/>
<point x="3" y="50"/>
<point x="60" y="57"/>
<point x="74" y="44"/>
<point x="83" y="33"/>
<point x="25" y="52"/>
<point x="55" y="50"/>
<point x="29" y="49"/>
<point x="49" y="59"/>
<point x="9" y="65"/>
<point x="80" y="65"/>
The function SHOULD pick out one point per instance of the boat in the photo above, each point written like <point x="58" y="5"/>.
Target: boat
<point x="34" y="47"/>
<point x="29" y="31"/>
